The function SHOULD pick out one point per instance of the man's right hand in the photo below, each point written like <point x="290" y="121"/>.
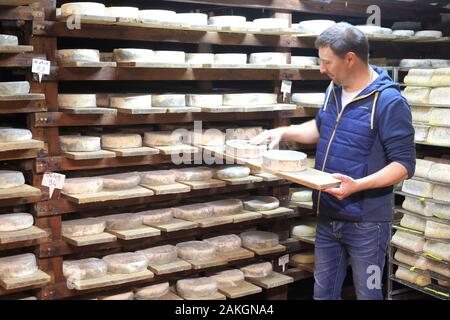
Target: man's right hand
<point x="274" y="136"/>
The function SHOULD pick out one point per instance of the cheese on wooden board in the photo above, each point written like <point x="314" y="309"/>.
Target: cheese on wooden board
<point x="418" y="188"/>
<point x="422" y="168"/>
<point x="125" y="263"/>
<point x="204" y="100"/>
<point x="412" y="260"/>
<point x="271" y="23"/>
<point x="309" y="97"/>
<point x="302" y="196"/>
<point x="77" y="100"/>
<point x="161" y="254"/>
<point x="315" y="26"/>
<point x="284" y="160"/>
<point x="79" y="143"/>
<point x="164" y="138"/>
<point x="258" y="270"/>
<point x="415" y="63"/>
<point x="440" y="80"/>
<point x="18" y="266"/>
<point x="304" y="230"/>
<point x="439" y="172"/>
<point x="197" y="19"/>
<point x="121" y="140"/>
<point x="83" y="8"/>
<point x="152" y="292"/>
<point x="122" y="12"/>
<point x="304" y="61"/>
<point x="244" y="133"/>
<point x="78" y="55"/>
<point x="8" y="40"/>
<point x="437" y="230"/>
<point x="226" y="243"/>
<point x="441" y="193"/>
<point x="408" y="241"/>
<point x="14" y="135"/>
<point x="306" y="257"/>
<point x="229" y="278"/>
<point x="412" y="277"/>
<point x="243" y="149"/>
<point x="210" y="137"/>
<point x="421" y="132"/>
<point x="439" y="135"/>
<point x="11" y="179"/>
<point x="131" y="102"/>
<point x="232" y="172"/>
<point x="15" y="222"/>
<point x="193" y="211"/>
<point x="193" y="174"/>
<point x="84" y="269"/>
<point x="157" y="15"/>
<point x="225" y="207"/>
<point x="169" y="57"/>
<point x="417" y="94"/>
<point x="249" y="99"/>
<point x="271" y="58"/>
<point x="121" y="296"/>
<point x="261" y="203"/>
<point x="156" y="216"/>
<point x="121" y="181"/>
<point x="421" y="114"/>
<point x="169" y="100"/>
<point x="421" y="72"/>
<point x="196" y="287"/>
<point x="429" y="33"/>
<point x="440" y="96"/>
<point x="439" y="210"/>
<point x="419" y="79"/>
<point x="413" y="222"/>
<point x="405" y="33"/>
<point x="228" y="21"/>
<point x="439" y="117"/>
<point x="83" y="185"/>
<point x="196" y="250"/>
<point x="158" y="177"/>
<point x="230" y="58"/>
<point x="124" y="221"/>
<point x="374" y="30"/>
<point x="200" y="58"/>
<point x="259" y="239"/>
<point x="416" y="206"/>
<point x="439" y="268"/>
<point x="82" y="227"/>
<point x="438" y="249"/>
<point x="14" y="88"/>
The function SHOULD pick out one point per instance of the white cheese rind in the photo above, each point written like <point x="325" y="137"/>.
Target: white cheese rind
<point x="121" y="141"/>
<point x="226" y="243"/>
<point x="82" y="227"/>
<point x="196" y="250"/>
<point x="15" y="222"/>
<point x="284" y="160"/>
<point x="126" y="263"/>
<point x="14" y="88"/>
<point x="77" y="100"/>
<point x="259" y="239"/>
<point x="14" y="135"/>
<point x="18" y="266"/>
<point x="89" y="268"/>
<point x="80" y="143"/>
<point x="153" y="292"/>
<point x="258" y="270"/>
<point x="83" y="185"/>
<point x="161" y="254"/>
<point x="11" y="179"/>
<point x="196" y="287"/>
<point x="121" y="181"/>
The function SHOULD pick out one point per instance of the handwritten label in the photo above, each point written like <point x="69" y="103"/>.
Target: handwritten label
<point x="286" y="87"/>
<point x="53" y="181"/>
<point x="40" y="67"/>
<point x="283" y="261"/>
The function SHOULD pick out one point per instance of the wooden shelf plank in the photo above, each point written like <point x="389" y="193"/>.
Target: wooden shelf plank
<point x="31" y="233"/>
<point x="176" y="266"/>
<point x="90" y="240"/>
<point x="19" y="192"/>
<point x="243" y="289"/>
<point x="12" y="105"/>
<point x="37" y="279"/>
<point x="272" y="281"/>
<point x="21" y="145"/>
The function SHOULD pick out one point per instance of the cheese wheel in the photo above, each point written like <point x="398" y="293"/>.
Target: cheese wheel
<point x="156" y="216"/>
<point x="243" y="149"/>
<point x="408" y="241"/>
<point x="306" y="257"/>
<point x="439" y="135"/>
<point x="194" y="174"/>
<point x="412" y="277"/>
<point x="418" y="188"/>
<point x="439" y="210"/>
<point x="125" y="263"/>
<point x="121" y="181"/>
<point x="232" y="172"/>
<point x="261" y="203"/>
<point x="200" y="58"/>
<point x="416" y="206"/>
<point x="82" y="227"/>
<point x="302" y="196"/>
<point x="78" y="55"/>
<point x="15" y="222"/>
<point x="421" y="132"/>
<point x="272" y="58"/>
<point x="374" y="30"/>
<point x="417" y="94"/>
<point x="83" y="8"/>
<point x="121" y="296"/>
<point x="437" y="230"/>
<point x="124" y="221"/>
<point x="204" y="100"/>
<point x="161" y="254"/>
<point x="230" y="58"/>
<point x="89" y="268"/>
<point x="439" y="268"/>
<point x="418" y="80"/>
<point x="440" y="96"/>
<point x="415" y="63"/>
<point x="228" y="21"/>
<point x="11" y="179"/>
<point x="438" y="249"/>
<point x="310" y="98"/>
<point x="439" y="172"/>
<point x="131" y="102"/>
<point x="163" y="138"/>
<point x="271" y="23"/>
<point x="133" y="55"/>
<point x="193" y="211"/>
<point x="304" y="61"/>
<point x="157" y="15"/>
<point x="225" y="207"/>
<point x="153" y="292"/>
<point x="169" y="101"/>
<point x="421" y="114"/>
<point x="210" y="137"/>
<point x="422" y="168"/>
<point x="439" y="117"/>
<point x="284" y="160"/>
<point x="14" y="88"/>
<point x="121" y="141"/>
<point x="77" y="100"/>
<point x="196" y="250"/>
<point x="196" y="287"/>
<point x="122" y="12"/>
<point x="413" y="222"/>
<point x="79" y="143"/>
<point x="245" y="133"/>
<point x="421" y="72"/>
<point x="83" y="185"/>
<point x="429" y="33"/>
<point x="315" y="26"/>
<point x="14" y="135"/>
<point x="412" y="260"/>
<point x="304" y="230"/>
<point x="249" y="99"/>
<point x="258" y="270"/>
<point x="226" y="243"/>
<point x="169" y="57"/>
<point x="440" y="63"/>
<point x="405" y="33"/>
<point x="441" y="193"/>
<point x="198" y="19"/>
<point x="259" y="239"/>
<point x="18" y="266"/>
<point x="158" y="177"/>
<point x="229" y="278"/>
<point x="8" y="40"/>
<point x="444" y="283"/>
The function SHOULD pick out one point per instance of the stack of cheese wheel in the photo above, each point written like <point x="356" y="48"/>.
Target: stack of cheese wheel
<point x="14" y="88"/>
<point x="412" y="277"/>
<point x="419" y="77"/>
<point x="438" y="249"/>
<point x="413" y="222"/>
<point x="15" y="222"/>
<point x="153" y="292"/>
<point x="18" y="266"/>
<point x="418" y="188"/>
<point x="11" y="179"/>
<point x="126" y="263"/>
<point x="437" y="230"/>
<point x="83" y="269"/>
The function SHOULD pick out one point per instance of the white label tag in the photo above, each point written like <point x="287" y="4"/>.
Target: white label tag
<point x="53" y="181"/>
<point x="283" y="261"/>
<point x="286" y="87"/>
<point x="40" y="67"/>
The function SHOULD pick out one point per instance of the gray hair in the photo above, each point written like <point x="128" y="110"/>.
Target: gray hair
<point x="343" y="38"/>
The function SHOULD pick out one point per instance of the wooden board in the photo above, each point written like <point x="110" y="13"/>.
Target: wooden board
<point x="92" y="197"/>
<point x="110" y="280"/>
<point x="239" y="254"/>
<point x="169" y="150"/>
<point x="245" y="180"/>
<point x="90" y="240"/>
<point x="284" y="106"/>
<point x="278" y="212"/>
<point x="138" y="233"/>
<point x="222" y="109"/>
<point x="152" y="65"/>
<point x="175" y="225"/>
<point x="243" y="289"/>
<point x="267" y="176"/>
<point x="197" y="264"/>
<point x="246" y="216"/>
<point x="93" y="110"/>
<point x="15" y="2"/>
<point x="272" y="281"/>
<point x="168" y="188"/>
<point x="303" y="266"/>
<point x="263" y="251"/>
<point x="306" y="205"/>
<point x="21" y="145"/>
<point x="267" y="108"/>
<point x="429" y="105"/>
<point x="135" y="152"/>
<point x="31" y="233"/>
<point x="176" y="266"/>
<point x="16" y="49"/>
<point x="81" y="64"/>
<point x="20" y="192"/>
<point x="21" y="97"/>
<point x="135" y="192"/>
<point x="184" y="110"/>
<point x="211" y="183"/>
<point x="170" y="296"/>
<point x="102" y="154"/>
<point x="215" y="296"/>
<point x="151" y="110"/>
<point x="213" y="221"/>
<point x="39" y="278"/>
<point x="310" y="240"/>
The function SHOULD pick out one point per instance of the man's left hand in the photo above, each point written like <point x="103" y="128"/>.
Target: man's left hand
<point x="347" y="188"/>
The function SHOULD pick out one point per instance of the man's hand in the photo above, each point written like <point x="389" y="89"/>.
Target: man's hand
<point x="274" y="136"/>
<point x="348" y="187"/>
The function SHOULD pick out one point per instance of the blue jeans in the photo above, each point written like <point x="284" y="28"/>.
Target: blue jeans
<point x="363" y="244"/>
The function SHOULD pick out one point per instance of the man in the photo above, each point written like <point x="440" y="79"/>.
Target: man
<point x="365" y="138"/>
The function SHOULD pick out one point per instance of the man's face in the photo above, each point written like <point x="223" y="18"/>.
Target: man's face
<point x="335" y="67"/>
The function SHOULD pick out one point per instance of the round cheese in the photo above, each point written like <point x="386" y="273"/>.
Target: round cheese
<point x="78" y="55"/>
<point x="306" y="257"/>
<point x="77" y="100"/>
<point x="439" y="172"/>
<point x="419" y="80"/>
<point x="169" y="57"/>
<point x="412" y="277"/>
<point x="132" y="102"/>
<point x="198" y="19"/>
<point x="417" y="94"/>
<point x="156" y="216"/>
<point x="169" y="101"/>
<point x="158" y="177"/>
<point x="304" y="230"/>
<point x="439" y="135"/>
<point x="413" y="222"/>
<point x="418" y="188"/>
<point x="416" y="206"/>
<point x="226" y="243"/>
<point x="82" y="227"/>
<point x="196" y="287"/>
<point x="429" y="33"/>
<point x="133" y="55"/>
<point x="415" y="63"/>
<point x="15" y="222"/>
<point x="194" y="174"/>
<point x="79" y="143"/>
<point x="121" y="296"/>
<point x="439" y="210"/>
<point x="121" y="181"/>
<point x="200" y="58"/>
<point x="125" y="263"/>
<point x="8" y="40"/>
<point x="284" y="160"/>
<point x="404" y="33"/>
<point x="124" y="221"/>
<point x="439" y="268"/>
<point x="258" y="270"/>
<point x="437" y="230"/>
<point x="269" y="58"/>
<point x="302" y="196"/>
<point x="122" y="12"/>
<point x="374" y="30"/>
<point x="11" y="179"/>
<point x="157" y="15"/>
<point x="89" y="268"/>
<point x="245" y="133"/>
<point x="121" y="141"/>
<point x="422" y="168"/>
<point x="193" y="211"/>
<point x="413" y="260"/>
<point x="304" y="61"/>
<point x="163" y="138"/>
<point x="438" y="249"/>
<point x="83" y="185"/>
<point x="153" y="292"/>
<point x="161" y="254"/>
<point x="204" y="100"/>
<point x="439" y="117"/>
<point x="440" y="63"/>
<point x="408" y="241"/>
<point x="315" y="26"/>
<point x="261" y="203"/>
<point x="230" y="58"/>
<point x="249" y="99"/>
<point x="210" y="137"/>
<point x="229" y="278"/>
<point x="232" y="172"/>
<point x="421" y="114"/>
<point x="440" y="96"/>
<point x="421" y="132"/>
<point x="83" y="8"/>
<point x="259" y="239"/>
<point x="243" y="149"/>
<point x="271" y="23"/>
<point x="228" y="21"/>
<point x="14" y="88"/>
<point x="226" y="207"/>
<point x="14" y="135"/>
<point x="196" y="250"/>
<point x="18" y="266"/>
